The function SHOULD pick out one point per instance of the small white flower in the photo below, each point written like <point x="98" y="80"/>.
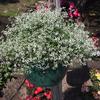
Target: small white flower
<point x="42" y="36"/>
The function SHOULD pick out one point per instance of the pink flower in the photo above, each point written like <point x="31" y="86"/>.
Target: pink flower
<point x="29" y="84"/>
<point x="76" y="13"/>
<point x="48" y="94"/>
<point x="94" y="38"/>
<point x="71" y="5"/>
<point x="29" y="97"/>
<point x="70" y="14"/>
<point x="37" y="7"/>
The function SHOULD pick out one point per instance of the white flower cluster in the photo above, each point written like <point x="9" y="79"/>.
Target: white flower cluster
<point x="96" y="53"/>
<point x="43" y="38"/>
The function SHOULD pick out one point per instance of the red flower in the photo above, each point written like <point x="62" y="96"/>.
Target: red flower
<point x="36" y="98"/>
<point x="29" y="84"/>
<point x="38" y="90"/>
<point x="48" y="95"/>
<point x="29" y="97"/>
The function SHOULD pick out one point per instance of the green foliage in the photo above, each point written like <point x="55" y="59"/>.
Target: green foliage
<point x="95" y="78"/>
<point x="5" y="74"/>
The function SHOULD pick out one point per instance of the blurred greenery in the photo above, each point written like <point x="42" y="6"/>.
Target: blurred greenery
<point x="12" y="9"/>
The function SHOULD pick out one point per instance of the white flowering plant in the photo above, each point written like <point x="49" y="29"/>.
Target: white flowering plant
<point x="44" y="39"/>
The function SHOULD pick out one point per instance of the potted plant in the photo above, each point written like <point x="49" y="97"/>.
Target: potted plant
<point x="95" y="79"/>
<point x="91" y="88"/>
<point x="43" y="44"/>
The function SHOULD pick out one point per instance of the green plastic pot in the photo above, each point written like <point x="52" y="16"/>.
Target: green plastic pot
<point x="47" y="78"/>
